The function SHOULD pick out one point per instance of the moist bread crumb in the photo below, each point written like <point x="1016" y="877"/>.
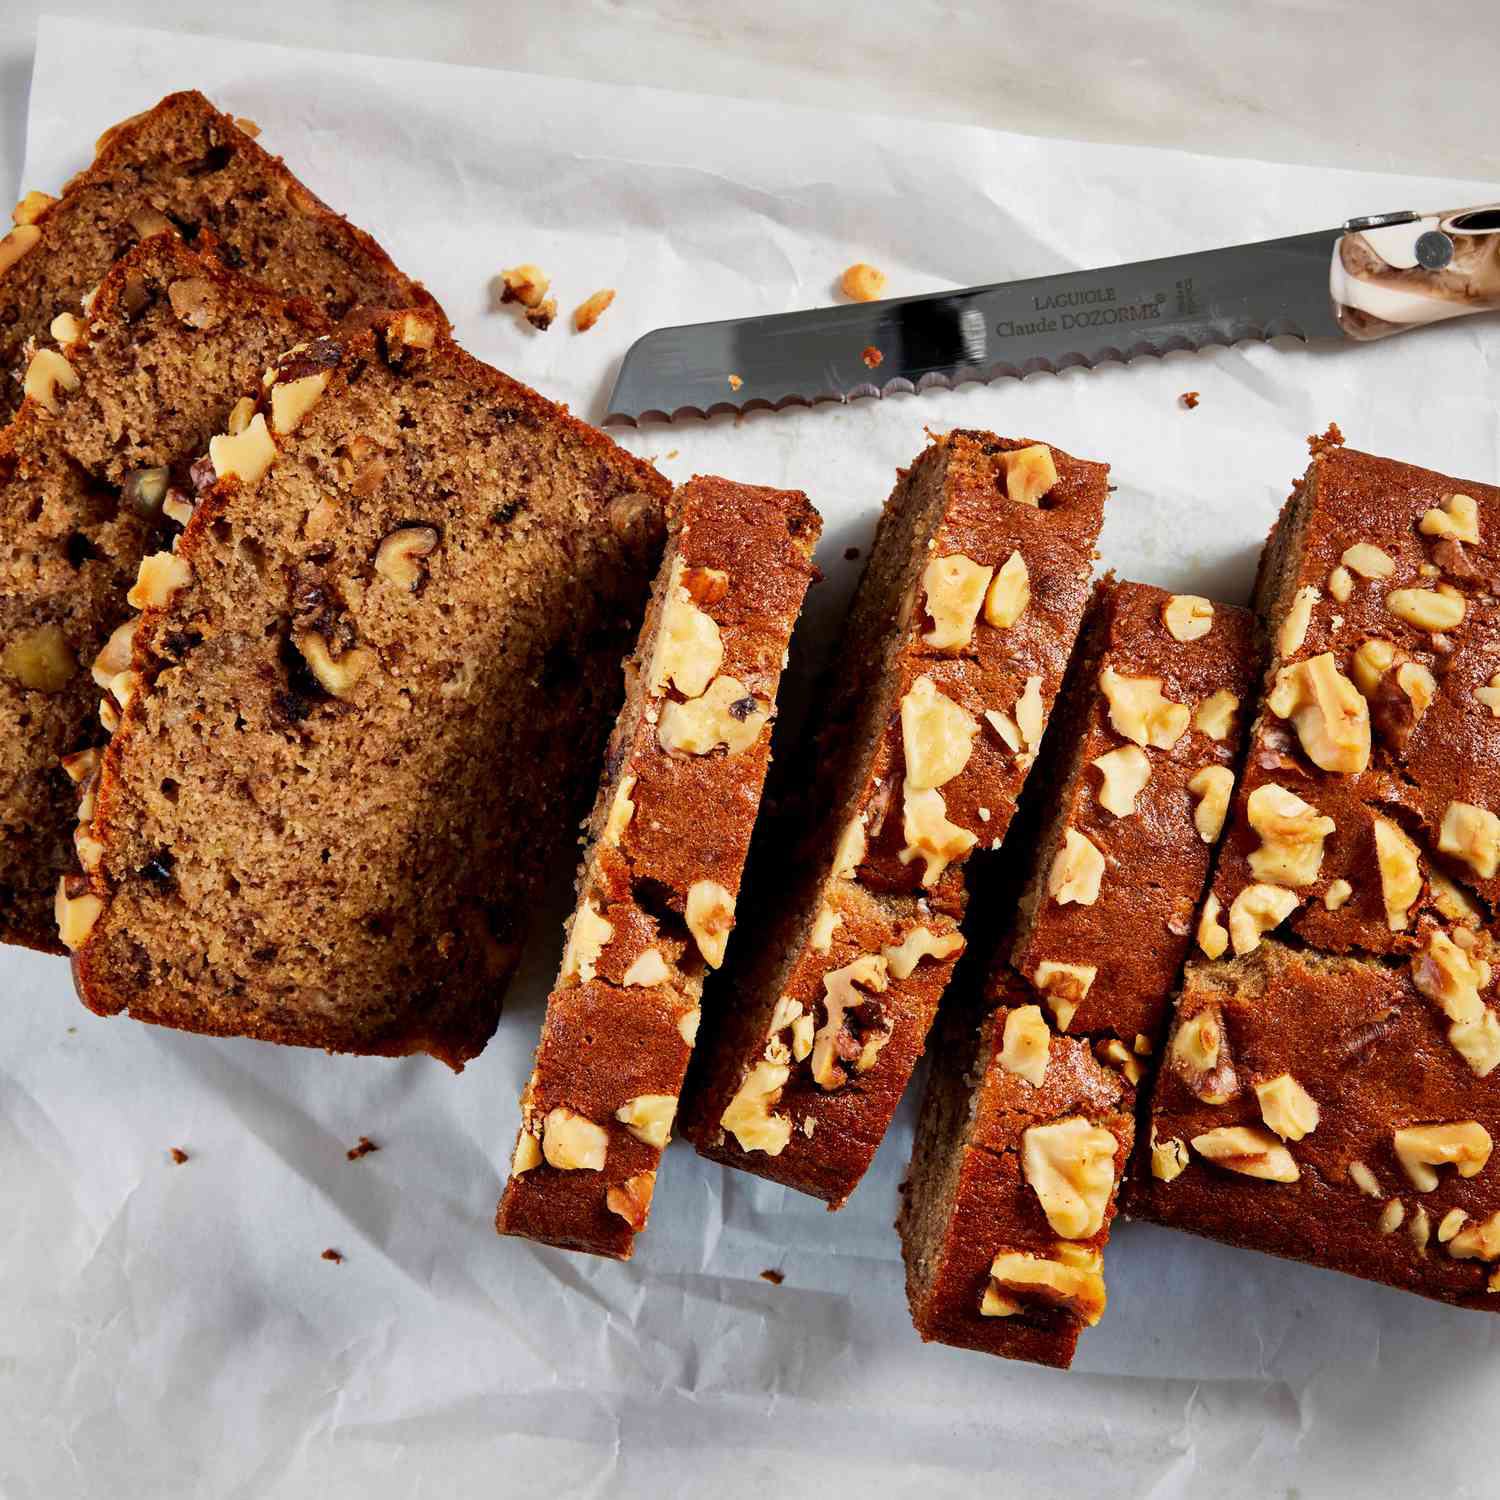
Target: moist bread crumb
<point x="362" y="725"/>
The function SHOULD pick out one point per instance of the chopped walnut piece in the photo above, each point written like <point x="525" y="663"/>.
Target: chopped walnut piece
<point x="1480" y="1241"/>
<point x="1212" y="786"/>
<point x="954" y="587"/>
<point x="115" y="657"/>
<point x="1329" y="714"/>
<point x="839" y="998"/>
<point x="929" y="835"/>
<point x="1029" y="716"/>
<point x="160" y="576"/>
<point x="937" y="735"/>
<point x="995" y="1304"/>
<point x="862" y="282"/>
<point x="1294" y="627"/>
<point x="1169" y="1158"/>
<point x="1064" y="987"/>
<point x="1458" y="519"/>
<point x="1188" y="617"/>
<point x="1436" y="609"/>
<point x="1077" y="871"/>
<point x="621" y="811"/>
<point x="1030" y="474"/>
<point x="632" y="1199"/>
<point x="1214" y="716"/>
<point x="591" y="309"/>
<point x="1391" y="1216"/>
<point x="689" y="650"/>
<point x="524" y="284"/>
<point x="1070" y="1165"/>
<point x="851" y="849"/>
<point x="1115" y="1054"/>
<point x="1337" y="894"/>
<point x="748" y="1116"/>
<point x="710" y="917"/>
<point x="1420" y="1228"/>
<point x="47" y="372"/>
<point x="573" y="1143"/>
<point x="1140" y="712"/>
<point x="1287" y="1107"/>
<point x="1026" y="1044"/>
<point x="588" y="936"/>
<point x="827" y="922"/>
<point x="1009" y="593"/>
<point x="1368" y="561"/>
<point x="1364" y="1179"/>
<point x="528" y="1154"/>
<point x="1341" y="585"/>
<point x="687" y="1025"/>
<point x="291" y="400"/>
<point x="41" y="660"/>
<point x="1450" y="1224"/>
<point x="918" y="944"/>
<point x="1472" y="834"/>
<point x="1465" y="1144"/>
<point x="1450" y="900"/>
<point x="76" y="910"/>
<point x="648" y="1117"/>
<point x="1256" y="910"/>
<point x="1198" y="1053"/>
<point x="1400" y="867"/>
<point x="245" y="455"/>
<point x="728" y="714"/>
<point x="1452" y="980"/>
<point x="1073" y="1285"/>
<point x="65" y="328"/>
<point x="1212" y="937"/>
<point x="31" y="208"/>
<point x="20" y="240"/>
<point x="1489" y="695"/>
<point x="646" y="970"/>
<point x="1292" y="834"/>
<point x="543" y="315"/>
<point x="338" y="675"/>
<point x="1249" y="1150"/>
<point x="1125" y="773"/>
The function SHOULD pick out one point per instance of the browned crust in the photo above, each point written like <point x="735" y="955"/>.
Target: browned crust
<point x="960" y="481"/>
<point x="744" y="554"/>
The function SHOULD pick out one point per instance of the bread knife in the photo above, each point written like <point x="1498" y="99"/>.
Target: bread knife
<point x="1367" y="279"/>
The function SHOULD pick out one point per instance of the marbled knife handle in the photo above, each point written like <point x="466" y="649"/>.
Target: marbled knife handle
<point x="1417" y="270"/>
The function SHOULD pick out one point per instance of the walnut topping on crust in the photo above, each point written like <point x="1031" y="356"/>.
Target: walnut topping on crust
<point x="1064" y="987"/>
<point x="1298" y="618"/>
<point x="621" y="811"/>
<point x="1458" y="519"/>
<point x="1009" y="593"/>
<point x="728" y="714"/>
<point x="954" y="588"/>
<point x="30" y="209"/>
<point x="572" y="1142"/>
<point x="65" y="328"/>
<point x="160" y="576"/>
<point x="587" y="937"/>
<point x="47" y="372"/>
<point x="1214" y="716"/>
<point x="1452" y="979"/>
<point x="648" y="969"/>
<point x="1073" y="1284"/>
<point x="632" y="1199"/>
<point x="826" y="923"/>
<point x="1465" y="1144"/>
<point x="1489" y="695"/>
<point x="687" y="1025"/>
<point x="1029" y="716"/>
<point x="748" y="1116"/>
<point x="918" y="944"/>
<point x="20" y="241"/>
<point x="1287" y="1107"/>
<point x="648" y="1117"/>
<point x="528" y="1154"/>
<point x="41" y="660"/>
<point x="929" y="835"/>
<point x="851" y="849"/>
<point x="1330" y="716"/>
<point x="1391" y="1216"/>
<point x="1169" y="1158"/>
<point x="1472" y="834"/>
<point x="1026" y="1044"/>
<point x="1140" y="712"/>
<point x="1212" y="786"/>
<point x="831" y="1046"/>
<point x="1213" y="939"/>
<point x="291" y="400"/>
<point x="1479" y="1241"/>
<point x="1420" y="1228"/>
<point x="1368" y="561"/>
<point x="1113" y="1053"/>
<point x="1126" y="772"/>
<point x="1400" y="872"/>
<point x="1436" y="609"/>
<point x="1076" y="872"/>
<point x="710" y="917"/>
<point x="1188" y="617"/>
<point x="1292" y="833"/>
<point x="1256" y="910"/>
<point x="1070" y="1165"/>
<point x="1364" y="1179"/>
<point x="115" y="657"/>
<point x="1450" y="901"/>
<point x="1341" y="585"/>
<point x="937" y="735"/>
<point x="1030" y="474"/>
<point x="1199" y="1056"/>
<point x="1337" y="894"/>
<point x="689" y="651"/>
<point x="1450" y="1224"/>
<point x="1249" y="1150"/>
<point x="76" y="909"/>
<point x="246" y="455"/>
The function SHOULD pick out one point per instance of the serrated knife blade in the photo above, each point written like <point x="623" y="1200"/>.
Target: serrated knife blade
<point x="1362" y="280"/>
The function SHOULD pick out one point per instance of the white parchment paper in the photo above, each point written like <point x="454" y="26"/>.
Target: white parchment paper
<point x="173" y="1331"/>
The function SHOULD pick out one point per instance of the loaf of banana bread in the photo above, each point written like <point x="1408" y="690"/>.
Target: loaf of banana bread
<point x="183" y="165"/>
<point x="660" y="883"/>
<point x="95" y="473"/>
<point x="953" y="651"/>
<point x="366" y="695"/>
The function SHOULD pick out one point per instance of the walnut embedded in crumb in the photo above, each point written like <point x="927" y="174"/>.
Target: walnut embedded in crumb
<point x="1332" y="438"/>
<point x="362" y="1147"/>
<point x="1189" y="399"/>
<point x="334" y="1255"/>
<point x="178" y="1155"/>
<point x="872" y="356"/>
<point x="591" y="309"/>
<point x="862" y="282"/>
<point x="247" y="126"/>
<point x="772" y="1275"/>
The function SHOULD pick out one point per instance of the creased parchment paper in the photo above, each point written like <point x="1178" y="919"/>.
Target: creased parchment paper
<point x="172" y="1330"/>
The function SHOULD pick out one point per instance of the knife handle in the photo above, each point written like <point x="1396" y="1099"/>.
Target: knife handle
<point x="1419" y="269"/>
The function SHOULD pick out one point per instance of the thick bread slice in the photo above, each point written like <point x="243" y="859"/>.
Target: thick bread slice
<point x="370" y="690"/>
<point x="86" y="490"/>
<point x="183" y="165"/>
<point x="659" y="886"/>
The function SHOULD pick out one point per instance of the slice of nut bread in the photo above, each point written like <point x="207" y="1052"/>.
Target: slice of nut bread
<point x="952" y="653"/>
<point x="95" y="474"/>
<point x="658" y="888"/>
<point x="368" y="692"/>
<point x="183" y="165"/>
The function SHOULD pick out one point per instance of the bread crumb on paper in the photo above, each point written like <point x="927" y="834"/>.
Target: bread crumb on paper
<point x="335" y="1256"/>
<point x="772" y="1275"/>
<point x="362" y="1147"/>
<point x="1189" y="399"/>
<point x="178" y="1155"/>
<point x="862" y="282"/>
